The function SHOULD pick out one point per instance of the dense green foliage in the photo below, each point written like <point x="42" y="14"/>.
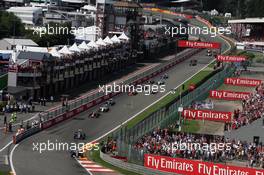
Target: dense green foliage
<point x="238" y="8"/>
<point x="49" y="39"/>
<point x="10" y="25"/>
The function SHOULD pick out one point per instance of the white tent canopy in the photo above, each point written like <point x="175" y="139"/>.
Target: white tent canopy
<point x="89" y="7"/>
<point x="107" y="40"/>
<point x="123" y="37"/>
<point x="115" y="39"/>
<point x="65" y="50"/>
<point x="92" y="44"/>
<point x="83" y="46"/>
<point x="74" y="48"/>
<point x="54" y="52"/>
<point x="100" y="42"/>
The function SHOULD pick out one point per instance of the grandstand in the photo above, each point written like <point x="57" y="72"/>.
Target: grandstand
<point x="249" y="32"/>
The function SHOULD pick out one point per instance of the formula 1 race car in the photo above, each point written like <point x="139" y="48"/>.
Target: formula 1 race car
<point x="110" y="102"/>
<point x="79" y="135"/>
<point x="193" y="63"/>
<point x="94" y="114"/>
<point x="132" y="93"/>
<point x="165" y="76"/>
<point x="104" y="108"/>
<point x="161" y="82"/>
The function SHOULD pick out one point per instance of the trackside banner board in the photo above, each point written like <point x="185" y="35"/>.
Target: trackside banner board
<point x="226" y="58"/>
<point x="199" y="45"/>
<point x="229" y="95"/>
<point x="242" y="81"/>
<point x="193" y="167"/>
<point x="207" y="115"/>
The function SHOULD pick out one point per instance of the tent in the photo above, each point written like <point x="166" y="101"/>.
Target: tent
<point x="123" y="37"/>
<point x="100" y="42"/>
<point x="74" y="48"/>
<point x="92" y="44"/>
<point x="115" y="39"/>
<point x="65" y="51"/>
<point x="89" y="8"/>
<point x="54" y="52"/>
<point x="107" y="40"/>
<point x="83" y="46"/>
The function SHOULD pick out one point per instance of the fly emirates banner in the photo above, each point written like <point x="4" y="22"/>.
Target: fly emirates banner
<point x="229" y="95"/>
<point x="207" y="115"/>
<point x="242" y="81"/>
<point x="195" y="167"/>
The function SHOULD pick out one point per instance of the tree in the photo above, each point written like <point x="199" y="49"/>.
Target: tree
<point x="238" y="8"/>
<point x="10" y="25"/>
<point x="50" y="39"/>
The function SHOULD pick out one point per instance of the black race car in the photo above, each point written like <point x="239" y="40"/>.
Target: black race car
<point x="94" y="114"/>
<point x="79" y="135"/>
<point x="110" y="102"/>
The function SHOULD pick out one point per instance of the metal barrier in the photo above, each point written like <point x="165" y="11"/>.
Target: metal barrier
<point x="61" y="113"/>
<point x="131" y="167"/>
<point x="24" y="135"/>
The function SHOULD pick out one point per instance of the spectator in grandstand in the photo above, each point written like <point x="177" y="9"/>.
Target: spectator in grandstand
<point x="252" y="109"/>
<point x="161" y="142"/>
<point x="109" y="146"/>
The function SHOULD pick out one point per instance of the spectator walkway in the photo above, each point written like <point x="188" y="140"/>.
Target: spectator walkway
<point x="27" y="116"/>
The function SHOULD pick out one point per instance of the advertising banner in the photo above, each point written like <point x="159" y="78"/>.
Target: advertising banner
<point x="207" y="115"/>
<point x="226" y="58"/>
<point x="242" y="81"/>
<point x="201" y="45"/>
<point x="229" y="95"/>
<point x="195" y="167"/>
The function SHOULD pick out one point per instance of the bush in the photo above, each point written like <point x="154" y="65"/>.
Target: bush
<point x="259" y="60"/>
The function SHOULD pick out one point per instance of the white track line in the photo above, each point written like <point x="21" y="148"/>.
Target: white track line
<point x="11" y="159"/>
<point x="11" y="154"/>
<point x="2" y="149"/>
<point x="159" y="98"/>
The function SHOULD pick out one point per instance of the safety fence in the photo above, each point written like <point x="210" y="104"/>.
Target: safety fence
<point x="165" y="116"/>
<point x="85" y="102"/>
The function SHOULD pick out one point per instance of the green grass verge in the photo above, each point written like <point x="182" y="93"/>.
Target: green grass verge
<point x="95" y="156"/>
<point x="190" y="126"/>
<point x="169" y="98"/>
<point x="3" y="173"/>
<point x="3" y="82"/>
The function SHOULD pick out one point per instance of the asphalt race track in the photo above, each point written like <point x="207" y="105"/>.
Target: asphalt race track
<point x="29" y="162"/>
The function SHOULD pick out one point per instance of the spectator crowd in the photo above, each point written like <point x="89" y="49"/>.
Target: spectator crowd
<point x="252" y="109"/>
<point x="160" y="142"/>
